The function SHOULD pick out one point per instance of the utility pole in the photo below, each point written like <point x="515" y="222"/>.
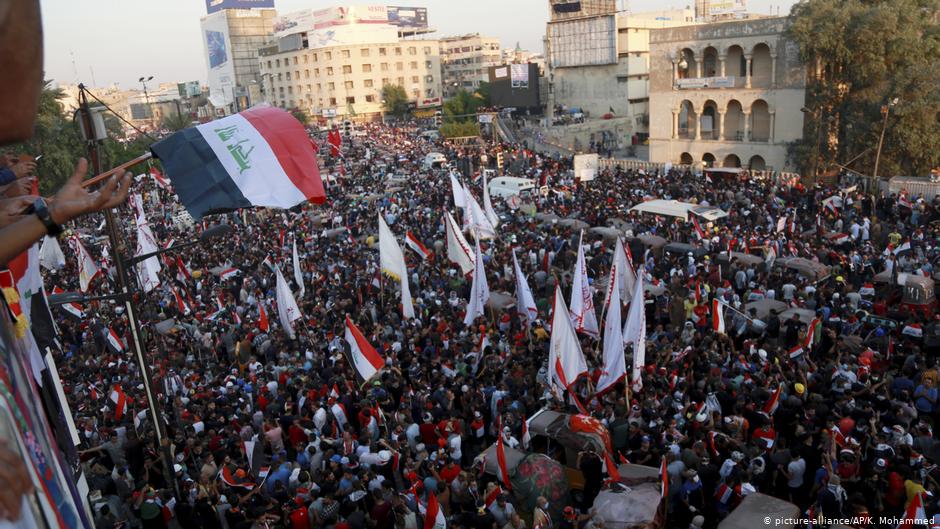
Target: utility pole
<point x="143" y="82"/>
<point x="885" y="109"/>
<point x="118" y="250"/>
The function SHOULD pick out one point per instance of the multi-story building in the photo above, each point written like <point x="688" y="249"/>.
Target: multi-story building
<point x="466" y="60"/>
<point x="598" y="59"/>
<point x="726" y="94"/>
<point x="347" y="80"/>
<point x="232" y="38"/>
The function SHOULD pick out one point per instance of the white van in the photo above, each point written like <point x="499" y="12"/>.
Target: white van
<point x="508" y="186"/>
<point x="434" y="160"/>
<point x="431" y="135"/>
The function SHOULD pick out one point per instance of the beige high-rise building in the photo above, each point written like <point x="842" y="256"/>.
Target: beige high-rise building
<point x="726" y="94"/>
<point x="598" y="60"/>
<point x="466" y="60"/>
<point x="346" y="81"/>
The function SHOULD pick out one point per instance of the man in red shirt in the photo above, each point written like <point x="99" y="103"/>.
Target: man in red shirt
<point x="300" y="517"/>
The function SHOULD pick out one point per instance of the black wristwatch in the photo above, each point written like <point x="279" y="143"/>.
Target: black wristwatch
<point x="41" y="210"/>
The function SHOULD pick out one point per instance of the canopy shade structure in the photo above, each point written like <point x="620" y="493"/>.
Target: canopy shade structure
<point x="674" y="208"/>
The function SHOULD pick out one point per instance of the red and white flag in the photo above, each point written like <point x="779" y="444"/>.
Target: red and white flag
<point x="159" y="179"/>
<point x="501" y="462"/>
<point x="774" y="402"/>
<point x="115" y="341"/>
<point x="88" y="271"/>
<point x="612" y="472"/>
<point x="263" y="324"/>
<point x="416" y="245"/>
<point x="229" y="273"/>
<point x="181" y="305"/>
<point x="664" y="476"/>
<point x="226" y="476"/>
<point x="183" y="275"/>
<point x="120" y="402"/>
<point x="434" y="517"/>
<point x="493" y="495"/>
<point x="72" y="308"/>
<point x="915" y="514"/>
<point x="718" y="316"/>
<point x="365" y="358"/>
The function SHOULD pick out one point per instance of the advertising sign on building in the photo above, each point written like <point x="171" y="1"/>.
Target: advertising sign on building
<point x="308" y="20"/>
<point x="218" y="49"/>
<point x="519" y="75"/>
<point x="428" y="102"/>
<point x="691" y="83"/>
<point x="726" y="7"/>
<point x="583" y="42"/>
<point x="213" y="6"/>
<point x="408" y="17"/>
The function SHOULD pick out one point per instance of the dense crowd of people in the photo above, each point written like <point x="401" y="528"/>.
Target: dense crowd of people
<point x="265" y="431"/>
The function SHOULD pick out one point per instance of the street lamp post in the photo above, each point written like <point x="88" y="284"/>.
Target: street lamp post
<point x="126" y="293"/>
<point x="143" y="82"/>
<point x="885" y="109"/>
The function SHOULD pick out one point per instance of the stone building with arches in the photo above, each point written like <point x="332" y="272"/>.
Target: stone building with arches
<point x="726" y="94"/>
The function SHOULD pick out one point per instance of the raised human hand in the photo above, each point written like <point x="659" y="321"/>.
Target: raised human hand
<point x="73" y="200"/>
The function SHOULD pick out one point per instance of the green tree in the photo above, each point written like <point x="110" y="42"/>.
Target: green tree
<point x="300" y="115"/>
<point x="58" y="139"/>
<point x="483" y="93"/>
<point x="175" y="122"/>
<point x="860" y="55"/>
<point x="460" y="129"/>
<point x="462" y="107"/>
<point x="395" y="100"/>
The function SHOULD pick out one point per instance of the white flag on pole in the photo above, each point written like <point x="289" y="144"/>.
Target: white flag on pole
<point x="488" y="205"/>
<point x="148" y="272"/>
<point x="475" y="219"/>
<point x="392" y="261"/>
<point x="479" y="293"/>
<point x="50" y="254"/>
<point x="298" y="276"/>
<point x="459" y="200"/>
<point x="621" y="274"/>
<point x="287" y="310"/>
<point x="458" y="249"/>
<point x="634" y="331"/>
<point x="565" y="359"/>
<point x="87" y="269"/>
<point x="615" y="365"/>
<point x="525" y="304"/>
<point x="582" y="301"/>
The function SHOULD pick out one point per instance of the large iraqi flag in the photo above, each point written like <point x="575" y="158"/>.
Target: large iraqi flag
<point x="259" y="157"/>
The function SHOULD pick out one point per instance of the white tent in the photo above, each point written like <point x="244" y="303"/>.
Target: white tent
<point x="674" y="208"/>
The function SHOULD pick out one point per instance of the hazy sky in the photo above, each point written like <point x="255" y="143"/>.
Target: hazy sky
<point x="99" y="42"/>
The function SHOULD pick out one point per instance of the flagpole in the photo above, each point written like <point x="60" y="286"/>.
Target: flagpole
<point x="119" y="169"/>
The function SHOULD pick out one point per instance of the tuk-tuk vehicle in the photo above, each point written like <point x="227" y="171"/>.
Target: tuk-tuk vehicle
<point x="816" y="272"/>
<point x="908" y="295"/>
<point x="556" y="440"/>
<point x="755" y="508"/>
